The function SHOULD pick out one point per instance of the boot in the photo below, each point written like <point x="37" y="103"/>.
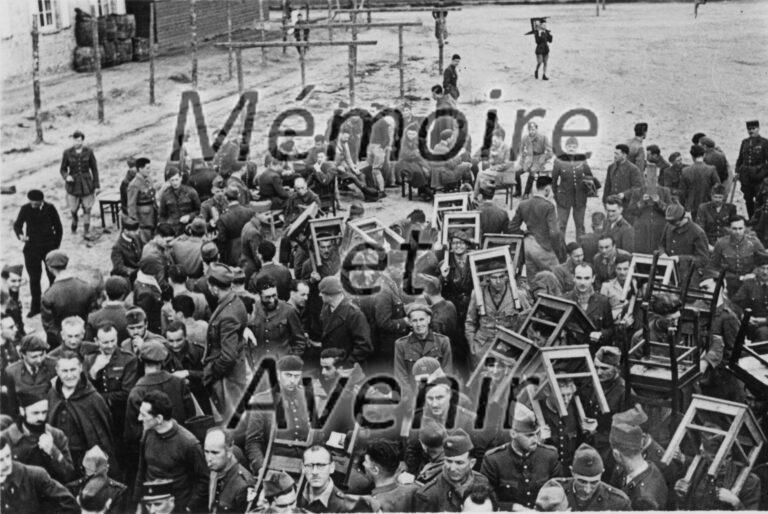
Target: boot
<point x="74" y="223"/>
<point x="86" y="232"/>
<point x="544" y="77"/>
<point x="536" y="73"/>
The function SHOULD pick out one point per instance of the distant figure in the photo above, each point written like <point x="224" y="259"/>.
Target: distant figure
<point x="451" y="78"/>
<point x="543" y="37"/>
<point x="301" y="32"/>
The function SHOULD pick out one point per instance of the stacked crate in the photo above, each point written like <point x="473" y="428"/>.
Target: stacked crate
<point x="116" y="40"/>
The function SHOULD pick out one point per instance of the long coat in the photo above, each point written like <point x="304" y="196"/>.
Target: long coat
<point x="224" y="365"/>
<point x="568" y="174"/>
<point x="67" y="296"/>
<point x="30" y="490"/>
<point x="696" y="185"/>
<point x="647" y="217"/>
<point x="230" y="228"/>
<point x="620" y="178"/>
<point x="347" y="328"/>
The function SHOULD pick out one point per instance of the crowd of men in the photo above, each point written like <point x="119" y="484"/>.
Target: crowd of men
<point x="133" y="395"/>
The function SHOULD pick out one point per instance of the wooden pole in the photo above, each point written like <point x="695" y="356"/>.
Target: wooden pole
<point x="306" y="9"/>
<point x="193" y="31"/>
<point x="97" y="64"/>
<point x="597" y="8"/>
<point x="229" y="38"/>
<point x="152" y="21"/>
<point x="36" y="79"/>
<point x="440" y="46"/>
<point x="400" y="60"/>
<point x="351" y="66"/>
<point x="285" y="22"/>
<point x="330" y="19"/>
<point x="354" y="38"/>
<point x="303" y="63"/>
<point x="239" y="58"/>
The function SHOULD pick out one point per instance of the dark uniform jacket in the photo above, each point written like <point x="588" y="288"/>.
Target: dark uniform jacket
<point x="125" y="256"/>
<point x="623" y="234"/>
<point x="114" y="382"/>
<point x="440" y="495"/>
<point x="493" y="219"/>
<point x="141" y="201"/>
<point x="395" y="497"/>
<point x="714" y="223"/>
<point x="277" y="272"/>
<point x="704" y="494"/>
<point x="175" y="203"/>
<point x="337" y="501"/>
<point x="540" y="217"/>
<point x="271" y="188"/>
<point x="614" y="391"/>
<point x="606" y="497"/>
<point x="24" y="449"/>
<point x="224" y="355"/>
<point x="517" y="478"/>
<point x="410" y="348"/>
<point x="388" y="323"/>
<point x="346" y="328"/>
<point x="696" y="185"/>
<point x="81" y="166"/>
<point x="278" y="332"/>
<point x="565" y="432"/>
<point x="228" y="491"/>
<point x="737" y="257"/>
<point x="112" y="312"/>
<point x="450" y="79"/>
<point x="599" y="313"/>
<point x="24" y="381"/>
<point x="250" y="239"/>
<point x="620" y="178"/>
<point x="182" y="407"/>
<point x="67" y="296"/>
<point x="30" y="490"/>
<point x="648" y="490"/>
<point x="116" y="491"/>
<point x="689" y="241"/>
<point x="230" y="228"/>
<point x="568" y="173"/>
<point x="188" y="358"/>
<point x="752" y="163"/>
<point x="647" y="217"/>
<point x="752" y="295"/>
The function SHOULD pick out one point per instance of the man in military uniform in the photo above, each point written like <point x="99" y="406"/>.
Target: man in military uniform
<point x="685" y="240"/>
<point x="381" y="463"/>
<point x="29" y="489"/>
<point x="564" y="432"/>
<point x="157" y="496"/>
<point x="127" y="250"/>
<point x="275" y="324"/>
<point x="228" y="489"/>
<point x="320" y="493"/>
<point x="518" y="469"/>
<point x="96" y="467"/>
<point x="753" y="294"/>
<point x="33" y="373"/>
<point x="141" y="199"/>
<point x="280" y="493"/>
<point x="643" y="482"/>
<point x="421" y="342"/>
<point x="432" y="436"/>
<point x="138" y="332"/>
<point x="113" y="372"/>
<point x="10" y="303"/>
<point x="714" y="215"/>
<point x="185" y="360"/>
<point x="445" y="493"/>
<point x="671" y="175"/>
<point x="752" y="164"/>
<point x="636" y="151"/>
<point x="585" y="490"/>
<point x="736" y="253"/>
<point x="81" y="180"/>
<point x="622" y="176"/>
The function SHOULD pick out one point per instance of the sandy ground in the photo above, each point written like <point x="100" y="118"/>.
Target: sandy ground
<point x="648" y="62"/>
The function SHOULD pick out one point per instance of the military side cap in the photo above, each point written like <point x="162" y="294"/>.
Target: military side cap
<point x="753" y="124"/>
<point x="116" y="286"/>
<point x="609" y="355"/>
<point x="238" y="275"/>
<point x="221" y="274"/>
<point x="666" y="303"/>
<point x="129" y="223"/>
<point x="673" y="156"/>
<point x="628" y="437"/>
<point x="278" y="484"/>
<point x="330" y="285"/>
<point x="356" y="209"/>
<point x="416" y="307"/>
<point x="425" y="366"/>
<point x="56" y="259"/>
<point x="95" y="460"/>
<point x="462" y="235"/>
<point x="33" y="343"/>
<point x="587" y="462"/>
<point x="27" y="398"/>
<point x="209" y="251"/>
<point x="157" y="489"/>
<point x="674" y="212"/>
<point x="15" y="269"/>
<point x="634" y="416"/>
<point x="523" y="419"/>
<point x="35" y="195"/>
<point x="457" y="443"/>
<point x="432" y="434"/>
<point x="95" y="494"/>
<point x="551" y="498"/>
<point x="711" y="442"/>
<point x="153" y="351"/>
<point x="290" y="363"/>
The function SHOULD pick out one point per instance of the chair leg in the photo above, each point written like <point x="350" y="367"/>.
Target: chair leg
<point x="402" y="188"/>
<point x="101" y="209"/>
<point x="410" y="191"/>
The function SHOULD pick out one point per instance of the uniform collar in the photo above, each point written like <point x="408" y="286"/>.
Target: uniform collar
<point x="324" y="497"/>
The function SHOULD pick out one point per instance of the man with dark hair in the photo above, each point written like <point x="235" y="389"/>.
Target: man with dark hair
<point x="422" y="341"/>
<point x="500" y="308"/>
<point x="275" y="324"/>
<point x="9" y="341"/>
<point x="331" y="362"/>
<point x="594" y="305"/>
<point x="185" y="361"/>
<point x="654" y="157"/>
<point x="81" y="180"/>
<point x="298" y="300"/>
<point x="715" y="157"/>
<point x="564" y="272"/>
<point x="753" y="294"/>
<point x="320" y="493"/>
<point x="343" y="323"/>
<point x="127" y="250"/>
<point x="636" y="153"/>
<point x="67" y="296"/>
<point x="273" y="270"/>
<point x="230" y="227"/>
<point x="33" y="373"/>
<point x="617" y="227"/>
<point x="178" y="202"/>
<point x="95" y="489"/>
<point x="250" y="238"/>
<point x="43" y="235"/>
<point x="80" y="412"/>
<point x="148" y="294"/>
<point x="271" y="185"/>
<point x="36" y="443"/>
<point x="177" y="279"/>
<point x="112" y="311"/>
<point x="493" y="219"/>
<point x="686" y="240"/>
<point x="737" y="252"/>
<point x="672" y="175"/>
<point x="451" y="77"/>
<point x="141" y="199"/>
<point x="613" y="289"/>
<point x="714" y="216"/>
<point x="224" y="368"/>
<point x="589" y="241"/>
<point x="170" y="452"/>
<point x="155" y="252"/>
<point x="543" y="239"/>
<point x="10" y="302"/>
<point x="751" y="165"/>
<point x="604" y="263"/>
<point x="30" y="489"/>
<point x="229" y="482"/>
<point x="697" y="182"/>
<point x="186" y="250"/>
<point x="182" y="310"/>
<point x="444" y="319"/>
<point x="622" y="175"/>
<point x="381" y="462"/>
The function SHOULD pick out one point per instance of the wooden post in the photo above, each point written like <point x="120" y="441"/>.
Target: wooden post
<point x="239" y="58"/>
<point x="400" y="60"/>
<point x="97" y="64"/>
<point x="351" y="66"/>
<point x="303" y="63"/>
<point x="193" y="32"/>
<point x="597" y="8"/>
<point x="354" y="48"/>
<point x="306" y="9"/>
<point x="36" y="79"/>
<point x="285" y="22"/>
<point x="330" y="20"/>
<point x="262" y="33"/>
<point x="152" y="21"/>
<point x="229" y="38"/>
<point x="440" y="45"/>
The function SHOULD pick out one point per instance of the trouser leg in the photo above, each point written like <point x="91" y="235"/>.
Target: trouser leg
<point x="33" y="261"/>
<point x="578" y="219"/>
<point x="562" y="217"/>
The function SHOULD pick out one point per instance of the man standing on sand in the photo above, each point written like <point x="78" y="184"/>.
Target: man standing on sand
<point x="451" y="78"/>
<point x="81" y="180"/>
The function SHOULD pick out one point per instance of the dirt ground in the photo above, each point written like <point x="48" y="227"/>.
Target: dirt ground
<point x="648" y="62"/>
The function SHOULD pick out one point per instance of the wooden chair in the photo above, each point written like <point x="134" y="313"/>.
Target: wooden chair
<point x="552" y="316"/>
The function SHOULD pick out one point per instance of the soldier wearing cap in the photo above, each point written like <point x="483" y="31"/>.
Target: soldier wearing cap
<point x="275" y="323"/>
<point x="622" y="175"/>
<point x="153" y="355"/>
<point x="95" y="468"/>
<point x="67" y="296"/>
<point x="141" y="199"/>
<point x="752" y="164"/>
<point x="230" y="226"/>
<point x="178" y="203"/>
<point x="551" y="498"/>
<point x="585" y="490"/>
<point x="518" y="469"/>
<point x="229" y="480"/>
<point x="643" y="482"/>
<point x="94" y="497"/>
<point x="432" y="436"/>
<point x="753" y="294"/>
<point x="138" y="333"/>
<point x="33" y="373"/>
<point x="157" y="497"/>
<point x="38" y="226"/>
<point x="446" y="492"/>
<point x="280" y="493"/>
<point x="737" y="252"/>
<point x="571" y="178"/>
<point x="81" y="180"/>
<point x="343" y="323"/>
<point x="421" y="342"/>
<point x="713" y="216"/>
<point x="671" y="175"/>
<point x="126" y="252"/>
<point x="685" y="240"/>
<point x="543" y="239"/>
<point x="224" y="366"/>
<point x="10" y="303"/>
